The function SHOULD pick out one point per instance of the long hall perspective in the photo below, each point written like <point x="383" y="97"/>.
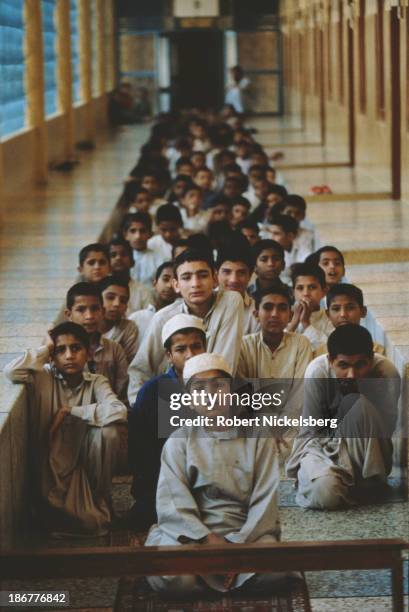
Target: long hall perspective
<point x="204" y="315"/>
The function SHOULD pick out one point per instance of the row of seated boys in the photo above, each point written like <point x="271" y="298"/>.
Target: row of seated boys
<point x="150" y="308"/>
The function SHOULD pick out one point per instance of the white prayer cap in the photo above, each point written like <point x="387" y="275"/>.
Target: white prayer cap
<point x="181" y="321"/>
<point x="203" y="363"/>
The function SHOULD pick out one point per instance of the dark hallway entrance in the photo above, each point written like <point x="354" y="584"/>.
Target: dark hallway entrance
<point x="197" y="69"/>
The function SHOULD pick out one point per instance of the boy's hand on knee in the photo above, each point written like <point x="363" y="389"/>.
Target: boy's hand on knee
<point x="58" y="420"/>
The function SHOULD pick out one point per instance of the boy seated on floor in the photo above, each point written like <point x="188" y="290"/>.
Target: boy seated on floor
<point x="84" y="307"/>
<point x="137" y="229"/>
<point x="203" y="178"/>
<point x="234" y="267"/>
<point x="73" y="437"/>
<point x="115" y="326"/>
<point x="223" y="489"/>
<point x="308" y="317"/>
<point x="250" y="231"/>
<point x="345" y="304"/>
<point x="194" y="218"/>
<point x="331" y="260"/>
<point x="274" y="352"/>
<point x="183" y="337"/>
<point x="295" y="206"/>
<point x="169" y="224"/>
<point x="268" y="256"/>
<point x="284" y="229"/>
<point x="274" y="356"/>
<point x="139" y="199"/>
<point x="356" y="392"/>
<point x="240" y="210"/>
<point x="121" y="260"/>
<point x="163" y="294"/>
<point x="94" y="262"/>
<point x="221" y="312"/>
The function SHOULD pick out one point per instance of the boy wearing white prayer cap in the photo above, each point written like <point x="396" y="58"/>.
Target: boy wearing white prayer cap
<point x="215" y="487"/>
<point x="183" y="337"/>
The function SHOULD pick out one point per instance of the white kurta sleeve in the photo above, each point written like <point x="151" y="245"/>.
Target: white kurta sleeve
<point x="178" y="513"/>
<point x="105" y="410"/>
<point x="315" y="336"/>
<point x="23" y="368"/>
<point x="145" y="365"/>
<point x="262" y="518"/>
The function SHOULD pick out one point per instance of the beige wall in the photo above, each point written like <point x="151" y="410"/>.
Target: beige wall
<point x="18" y="151"/>
<point x="373" y="133"/>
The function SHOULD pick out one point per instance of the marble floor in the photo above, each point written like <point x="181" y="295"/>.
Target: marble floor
<point x="44" y="228"/>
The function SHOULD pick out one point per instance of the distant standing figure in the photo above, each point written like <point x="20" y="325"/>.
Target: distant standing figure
<point x="237" y="90"/>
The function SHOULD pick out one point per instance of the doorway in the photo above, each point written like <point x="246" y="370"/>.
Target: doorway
<point x="197" y="65"/>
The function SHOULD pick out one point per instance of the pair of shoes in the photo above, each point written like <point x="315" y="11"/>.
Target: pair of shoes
<point x="320" y="189"/>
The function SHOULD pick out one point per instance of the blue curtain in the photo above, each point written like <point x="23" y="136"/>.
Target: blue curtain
<point x="75" y="60"/>
<point x="12" y="93"/>
<point x="50" y="57"/>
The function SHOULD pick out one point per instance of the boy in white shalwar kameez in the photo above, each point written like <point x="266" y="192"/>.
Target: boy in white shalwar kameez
<point x="73" y="439"/>
<point x="216" y="487"/>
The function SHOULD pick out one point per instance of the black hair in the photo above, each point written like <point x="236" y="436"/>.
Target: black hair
<point x="350" y="339"/>
<point x="185" y="330"/>
<point x="97" y="247"/>
<point x="248" y="224"/>
<point x="139" y="217"/>
<point x="191" y="255"/>
<point x="168" y="212"/>
<point x="198" y="153"/>
<point x="315" y="257"/>
<point x="200" y="242"/>
<point x="296" y="201"/>
<point x="202" y="169"/>
<point x="72" y="329"/>
<point x="278" y="190"/>
<point x="353" y="292"/>
<point x="80" y="289"/>
<point x="162" y="267"/>
<point x="182" y="177"/>
<point x="240" y="253"/>
<point x="178" y="243"/>
<point x="113" y="280"/>
<point x="232" y="167"/>
<point x="183" y="142"/>
<point x="277" y="288"/>
<point x="288" y="224"/>
<point x="182" y="161"/>
<point x="266" y="245"/>
<point x="190" y="187"/>
<point x="241" y="200"/>
<point x="220" y="198"/>
<point x="306" y="269"/>
<point x="258" y="168"/>
<point x="132" y="190"/>
<point x="119" y="241"/>
<point x="218" y="232"/>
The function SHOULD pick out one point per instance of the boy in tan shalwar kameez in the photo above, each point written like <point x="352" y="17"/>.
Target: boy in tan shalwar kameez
<point x="73" y="439"/>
